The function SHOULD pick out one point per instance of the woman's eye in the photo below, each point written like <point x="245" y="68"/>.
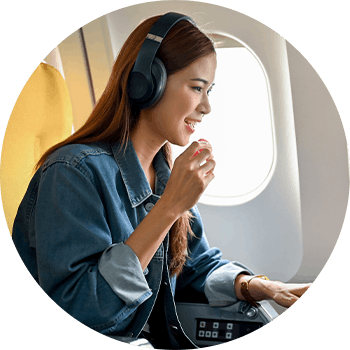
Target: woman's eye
<point x="197" y="88"/>
<point x="200" y="89"/>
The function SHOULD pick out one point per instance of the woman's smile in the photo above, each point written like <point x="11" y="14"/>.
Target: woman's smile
<point x="191" y="125"/>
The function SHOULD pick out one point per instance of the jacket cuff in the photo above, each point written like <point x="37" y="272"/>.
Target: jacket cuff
<point x="219" y="286"/>
<point x="121" y="269"/>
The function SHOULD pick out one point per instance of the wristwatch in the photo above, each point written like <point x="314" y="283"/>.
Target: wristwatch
<point x="245" y="289"/>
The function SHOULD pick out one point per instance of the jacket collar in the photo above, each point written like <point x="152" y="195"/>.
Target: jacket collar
<point x="134" y="177"/>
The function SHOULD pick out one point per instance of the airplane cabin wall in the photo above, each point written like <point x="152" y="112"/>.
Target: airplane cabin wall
<point x="323" y="165"/>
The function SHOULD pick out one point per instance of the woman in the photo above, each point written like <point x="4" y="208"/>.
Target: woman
<point x="108" y="231"/>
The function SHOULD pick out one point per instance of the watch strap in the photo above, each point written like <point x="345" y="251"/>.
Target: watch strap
<point x="245" y="289"/>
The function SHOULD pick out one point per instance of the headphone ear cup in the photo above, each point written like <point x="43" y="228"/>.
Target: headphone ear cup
<point x="159" y="76"/>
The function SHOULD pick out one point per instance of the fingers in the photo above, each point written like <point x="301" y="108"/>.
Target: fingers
<point x="208" y="166"/>
<point x="209" y="176"/>
<point x="286" y="294"/>
<point x="202" y="155"/>
<point x="289" y="301"/>
<point x="197" y="148"/>
<point x="191" y="174"/>
<point x="197" y="153"/>
<point x="292" y="299"/>
<point x="285" y="298"/>
<point x="199" y="157"/>
<point x="299" y="289"/>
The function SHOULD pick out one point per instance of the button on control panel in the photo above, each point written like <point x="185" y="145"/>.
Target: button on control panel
<point x="223" y="330"/>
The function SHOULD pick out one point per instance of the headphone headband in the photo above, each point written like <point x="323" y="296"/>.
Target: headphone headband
<point x="141" y="85"/>
<point x="154" y="38"/>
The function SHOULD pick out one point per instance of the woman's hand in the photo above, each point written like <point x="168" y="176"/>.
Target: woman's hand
<point x="186" y="183"/>
<point x="189" y="178"/>
<point x="286" y="294"/>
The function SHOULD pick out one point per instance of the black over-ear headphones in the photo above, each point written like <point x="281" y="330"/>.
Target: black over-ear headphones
<point x="147" y="80"/>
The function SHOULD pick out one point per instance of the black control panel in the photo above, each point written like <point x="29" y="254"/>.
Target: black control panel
<point x="219" y="330"/>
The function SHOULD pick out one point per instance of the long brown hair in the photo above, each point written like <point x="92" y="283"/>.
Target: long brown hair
<point x="113" y="117"/>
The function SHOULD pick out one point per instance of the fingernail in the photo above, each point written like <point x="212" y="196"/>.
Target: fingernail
<point x="199" y="151"/>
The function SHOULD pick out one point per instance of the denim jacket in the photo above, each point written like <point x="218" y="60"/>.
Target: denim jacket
<point x="79" y="209"/>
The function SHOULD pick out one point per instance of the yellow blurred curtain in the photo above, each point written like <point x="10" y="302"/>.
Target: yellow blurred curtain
<point x="42" y="117"/>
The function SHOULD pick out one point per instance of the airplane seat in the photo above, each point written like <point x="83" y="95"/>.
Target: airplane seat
<point x="41" y="117"/>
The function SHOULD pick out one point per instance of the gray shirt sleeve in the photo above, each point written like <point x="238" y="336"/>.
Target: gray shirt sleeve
<point x="121" y="269"/>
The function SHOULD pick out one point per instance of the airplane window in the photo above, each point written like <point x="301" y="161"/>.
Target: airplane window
<point x="239" y="128"/>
